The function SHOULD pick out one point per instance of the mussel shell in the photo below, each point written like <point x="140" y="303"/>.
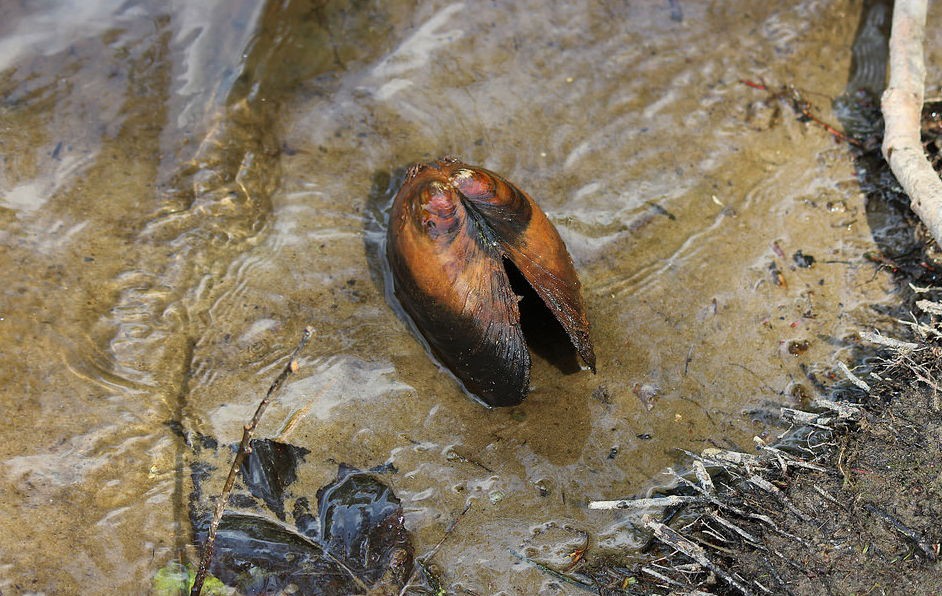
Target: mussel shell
<point x="450" y="229"/>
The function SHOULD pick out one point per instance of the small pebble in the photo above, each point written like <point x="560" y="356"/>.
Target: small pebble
<point x="802" y="260"/>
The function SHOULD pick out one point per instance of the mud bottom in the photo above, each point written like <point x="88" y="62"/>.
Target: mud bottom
<point x="847" y="502"/>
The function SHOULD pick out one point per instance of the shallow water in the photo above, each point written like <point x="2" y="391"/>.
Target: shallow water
<point x="185" y="186"/>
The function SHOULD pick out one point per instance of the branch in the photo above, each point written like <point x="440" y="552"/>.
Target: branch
<point x="902" y="112"/>
<point x="645" y="503"/>
<point x="244" y="448"/>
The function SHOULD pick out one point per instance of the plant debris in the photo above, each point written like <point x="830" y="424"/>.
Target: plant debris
<point x="847" y="501"/>
<point x="353" y="542"/>
<point x="847" y="498"/>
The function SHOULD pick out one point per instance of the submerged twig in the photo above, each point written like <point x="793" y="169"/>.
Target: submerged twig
<point x="244" y="448"/>
<point x="557" y="574"/>
<point x="803" y="108"/>
<point x="422" y="561"/>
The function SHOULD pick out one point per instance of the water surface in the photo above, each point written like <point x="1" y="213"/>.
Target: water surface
<point x="185" y="186"/>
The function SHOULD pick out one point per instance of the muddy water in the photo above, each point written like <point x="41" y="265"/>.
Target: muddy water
<point x="185" y="186"/>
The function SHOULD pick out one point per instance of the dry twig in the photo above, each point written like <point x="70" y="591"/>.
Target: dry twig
<point x="902" y="111"/>
<point x="860" y="383"/>
<point x="876" y="338"/>
<point x="244" y="448"/>
<point x="703" y="477"/>
<point x="631" y="503"/>
<point x="671" y="538"/>
<point x="930" y="307"/>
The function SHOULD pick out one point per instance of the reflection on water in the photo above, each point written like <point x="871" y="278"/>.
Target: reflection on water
<point x="185" y="186"/>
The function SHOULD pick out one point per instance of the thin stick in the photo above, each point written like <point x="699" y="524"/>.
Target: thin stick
<point x="671" y="538"/>
<point x="775" y="491"/>
<point x="860" y="383"/>
<point x="742" y="533"/>
<point x="902" y="112"/>
<point x="557" y="574"/>
<point x="803" y="108"/>
<point x="664" y="578"/>
<point x="244" y="448"/>
<point x="903" y="529"/>
<point x="646" y="503"/>
<point x="786" y="458"/>
<point x="876" y="338"/>
<point x="930" y="307"/>
<point x="428" y="556"/>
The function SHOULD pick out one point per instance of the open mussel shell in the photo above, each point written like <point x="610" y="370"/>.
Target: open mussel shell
<point x="451" y="228"/>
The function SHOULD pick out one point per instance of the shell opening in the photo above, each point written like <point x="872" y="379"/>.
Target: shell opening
<point x="544" y="334"/>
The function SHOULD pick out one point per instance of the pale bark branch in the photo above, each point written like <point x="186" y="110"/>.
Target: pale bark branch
<point x="902" y="111"/>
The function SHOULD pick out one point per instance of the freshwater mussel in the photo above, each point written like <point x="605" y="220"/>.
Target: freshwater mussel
<point x="457" y="235"/>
